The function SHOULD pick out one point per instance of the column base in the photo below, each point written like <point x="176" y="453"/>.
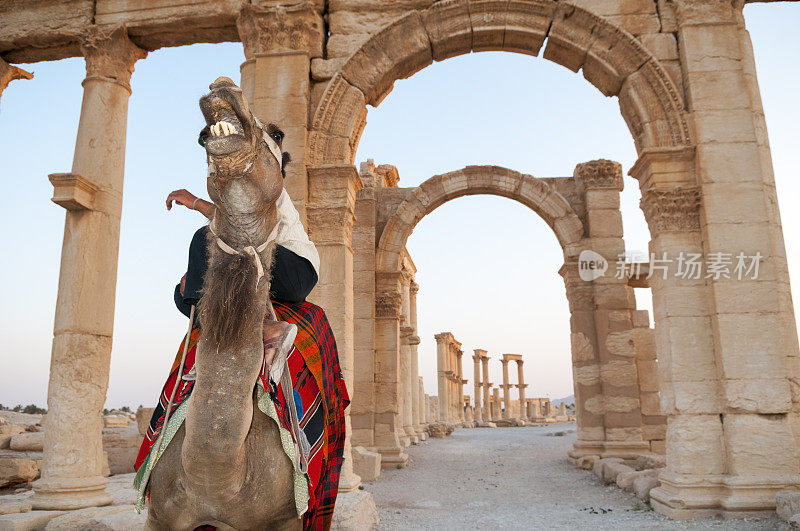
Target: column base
<point x="68" y="494"/>
<point x="392" y="457"/>
<point x="683" y="496"/>
<point x="349" y="482"/>
<point x="421" y="433"/>
<point x="411" y="433"/>
<point x="622" y="449"/>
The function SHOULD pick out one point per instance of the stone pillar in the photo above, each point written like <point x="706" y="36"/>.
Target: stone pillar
<point x="331" y="213"/>
<point x="406" y="376"/>
<point x="84" y="319"/>
<point x="460" y="385"/>
<point x="506" y="390"/>
<point x="442" y="356"/>
<point x="604" y="368"/>
<point x="423" y="409"/>
<point x="416" y="405"/>
<point x="476" y="384"/>
<point x="496" y="413"/>
<point x="279" y="43"/>
<point x="487" y="388"/>
<point x="388" y="403"/>
<point x="523" y="414"/>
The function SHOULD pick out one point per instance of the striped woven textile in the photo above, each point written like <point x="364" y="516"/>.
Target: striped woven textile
<point x="317" y="382"/>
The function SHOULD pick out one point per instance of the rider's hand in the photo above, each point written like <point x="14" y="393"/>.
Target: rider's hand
<point x="182" y="197"/>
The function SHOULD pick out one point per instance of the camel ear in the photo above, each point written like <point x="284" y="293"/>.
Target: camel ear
<point x="285" y="159"/>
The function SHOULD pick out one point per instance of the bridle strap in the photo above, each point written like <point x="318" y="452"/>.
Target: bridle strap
<point x="250" y="249"/>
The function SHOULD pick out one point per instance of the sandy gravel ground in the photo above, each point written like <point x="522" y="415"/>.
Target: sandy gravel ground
<point x="514" y="478"/>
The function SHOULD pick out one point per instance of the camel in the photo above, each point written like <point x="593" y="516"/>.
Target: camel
<point x="225" y="467"/>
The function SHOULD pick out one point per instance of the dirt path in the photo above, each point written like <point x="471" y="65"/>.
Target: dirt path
<point x="513" y="478"/>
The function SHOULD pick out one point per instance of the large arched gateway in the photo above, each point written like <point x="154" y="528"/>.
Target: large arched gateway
<point x="583" y="212"/>
<point x="684" y="74"/>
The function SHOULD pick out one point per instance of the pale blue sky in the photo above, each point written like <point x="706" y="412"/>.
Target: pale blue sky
<point x="487" y="265"/>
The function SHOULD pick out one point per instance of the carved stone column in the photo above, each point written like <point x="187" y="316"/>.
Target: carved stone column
<point x="487" y="388"/>
<point x="388" y="399"/>
<point x="496" y="413"/>
<point x="279" y="43"/>
<point x="423" y="410"/>
<point x="442" y="362"/>
<point x="331" y="213"/>
<point x="476" y="383"/>
<point x="416" y="405"/>
<point x="84" y="321"/>
<point x="523" y="413"/>
<point x="506" y="389"/>
<point x="407" y="380"/>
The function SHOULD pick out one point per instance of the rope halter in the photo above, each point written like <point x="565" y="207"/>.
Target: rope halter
<point x="250" y="249"/>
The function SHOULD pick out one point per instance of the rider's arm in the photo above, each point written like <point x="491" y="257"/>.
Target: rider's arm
<point x="192" y="202"/>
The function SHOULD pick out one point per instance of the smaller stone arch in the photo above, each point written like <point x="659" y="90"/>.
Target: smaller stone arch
<point x="532" y="192"/>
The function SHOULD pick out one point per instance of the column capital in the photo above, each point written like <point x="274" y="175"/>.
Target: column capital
<point x="599" y="174"/>
<point x="281" y="29"/>
<point x="387" y="304"/>
<point x="110" y="54"/>
<point x="414" y="287"/>
<point x="675" y="209"/>
<point x="332" y="193"/>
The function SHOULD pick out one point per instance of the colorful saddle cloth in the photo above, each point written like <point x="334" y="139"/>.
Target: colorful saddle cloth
<point x="320" y="396"/>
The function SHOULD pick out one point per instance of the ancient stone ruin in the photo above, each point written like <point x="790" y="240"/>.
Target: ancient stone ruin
<point x="713" y="386"/>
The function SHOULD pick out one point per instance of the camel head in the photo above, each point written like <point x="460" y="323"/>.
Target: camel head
<point x="245" y="158"/>
<point x="245" y="179"/>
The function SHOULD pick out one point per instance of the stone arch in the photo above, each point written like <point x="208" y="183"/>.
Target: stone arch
<point x="611" y="59"/>
<point x="473" y="180"/>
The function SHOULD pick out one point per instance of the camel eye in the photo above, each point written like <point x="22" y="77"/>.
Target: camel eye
<point x="276" y="136"/>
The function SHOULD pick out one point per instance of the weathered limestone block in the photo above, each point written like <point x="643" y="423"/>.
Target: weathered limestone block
<point x="643" y="485"/>
<point x="650" y="461"/>
<point x="612" y="470"/>
<point x="787" y="505"/>
<point x="355" y="510"/>
<point x="28" y="521"/>
<point x="625" y="479"/>
<point x="115" y="421"/>
<point x="621" y="343"/>
<point x="7" y="431"/>
<point x="28" y="442"/>
<point x="366" y="464"/>
<point x="587" y="462"/>
<point x="82" y="518"/>
<point x="143" y="416"/>
<point x="440" y="430"/>
<point x="599" y="466"/>
<point x="375" y="66"/>
<point x="14" y="471"/>
<point x="14" y="507"/>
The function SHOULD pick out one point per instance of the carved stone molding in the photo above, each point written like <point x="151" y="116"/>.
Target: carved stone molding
<point x="276" y="29"/>
<point x="414" y="340"/>
<point x="110" y="54"/>
<point x="388" y="304"/>
<point x="599" y="174"/>
<point x="9" y="73"/>
<point x="672" y="209"/>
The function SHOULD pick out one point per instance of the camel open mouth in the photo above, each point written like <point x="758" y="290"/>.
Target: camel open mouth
<point x="228" y="121"/>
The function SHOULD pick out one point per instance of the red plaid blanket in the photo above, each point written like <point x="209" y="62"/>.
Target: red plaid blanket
<point x="317" y="382"/>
